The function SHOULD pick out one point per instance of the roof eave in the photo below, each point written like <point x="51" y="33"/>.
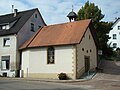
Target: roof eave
<point x="25" y="48"/>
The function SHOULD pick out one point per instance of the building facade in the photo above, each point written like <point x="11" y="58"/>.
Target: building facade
<point x="15" y="29"/>
<point x="70" y="49"/>
<point x="114" y="35"/>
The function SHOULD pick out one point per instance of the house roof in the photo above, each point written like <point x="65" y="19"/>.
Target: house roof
<point x="116" y="21"/>
<point x="20" y="20"/>
<point x="59" y="34"/>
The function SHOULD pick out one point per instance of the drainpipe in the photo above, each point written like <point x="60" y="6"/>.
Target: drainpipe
<point x="27" y="72"/>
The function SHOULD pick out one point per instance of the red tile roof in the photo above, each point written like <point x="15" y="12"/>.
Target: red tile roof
<point x="59" y="34"/>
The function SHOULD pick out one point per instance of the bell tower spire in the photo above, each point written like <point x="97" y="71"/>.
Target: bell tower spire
<point x="72" y="15"/>
<point x="72" y="8"/>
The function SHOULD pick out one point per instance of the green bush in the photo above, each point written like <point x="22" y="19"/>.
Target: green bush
<point x="62" y="76"/>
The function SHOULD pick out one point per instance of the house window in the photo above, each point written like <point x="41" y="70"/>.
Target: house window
<point x="50" y="55"/>
<point x="118" y="27"/>
<point x="32" y="27"/>
<point x="5" y="62"/>
<point x="114" y="45"/>
<point x="6" y="42"/>
<point x="114" y="36"/>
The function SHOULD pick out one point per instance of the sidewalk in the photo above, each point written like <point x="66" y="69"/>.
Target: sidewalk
<point x="50" y="80"/>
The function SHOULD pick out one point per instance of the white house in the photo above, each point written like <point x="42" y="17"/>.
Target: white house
<point x="68" y="48"/>
<point x="114" y="35"/>
<point x="15" y="29"/>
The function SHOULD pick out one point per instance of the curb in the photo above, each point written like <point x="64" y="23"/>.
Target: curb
<point x="59" y="81"/>
<point x="45" y="80"/>
<point x="50" y="80"/>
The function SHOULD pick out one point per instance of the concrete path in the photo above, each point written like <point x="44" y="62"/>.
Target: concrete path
<point x="108" y="80"/>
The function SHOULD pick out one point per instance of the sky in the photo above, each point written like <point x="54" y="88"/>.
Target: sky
<point x="55" y="11"/>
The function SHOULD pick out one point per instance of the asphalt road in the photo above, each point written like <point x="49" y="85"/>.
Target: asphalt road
<point x="13" y="84"/>
<point x="108" y="80"/>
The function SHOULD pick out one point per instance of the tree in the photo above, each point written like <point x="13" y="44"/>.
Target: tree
<point x="90" y="11"/>
<point x="102" y="31"/>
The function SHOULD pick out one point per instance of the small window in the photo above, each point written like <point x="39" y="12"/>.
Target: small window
<point x="6" y="42"/>
<point x="35" y="15"/>
<point x="50" y="55"/>
<point x="32" y="27"/>
<point x="87" y="51"/>
<point x="114" y="36"/>
<point x="39" y="27"/>
<point x="114" y="45"/>
<point x="118" y="27"/>
<point x="90" y="50"/>
<point x="82" y="49"/>
<point x="89" y="37"/>
<point x="5" y="62"/>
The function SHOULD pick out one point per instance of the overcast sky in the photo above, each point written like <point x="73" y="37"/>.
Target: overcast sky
<point x="55" y="11"/>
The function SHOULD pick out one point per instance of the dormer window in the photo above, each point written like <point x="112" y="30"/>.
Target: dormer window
<point x="4" y="27"/>
<point x="7" y="27"/>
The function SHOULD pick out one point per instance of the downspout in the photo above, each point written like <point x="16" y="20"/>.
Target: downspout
<point x="16" y="55"/>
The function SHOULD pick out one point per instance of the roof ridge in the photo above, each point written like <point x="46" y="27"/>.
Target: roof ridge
<point x="69" y="22"/>
<point x="28" y="10"/>
<point x="19" y="12"/>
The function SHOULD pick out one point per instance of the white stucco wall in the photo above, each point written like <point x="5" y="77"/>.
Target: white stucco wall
<point x="8" y="51"/>
<point x="87" y="44"/>
<point x="115" y="31"/>
<point x="25" y="61"/>
<point x="37" y="60"/>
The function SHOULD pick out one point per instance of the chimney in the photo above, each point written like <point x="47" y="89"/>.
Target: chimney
<point x="15" y="12"/>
